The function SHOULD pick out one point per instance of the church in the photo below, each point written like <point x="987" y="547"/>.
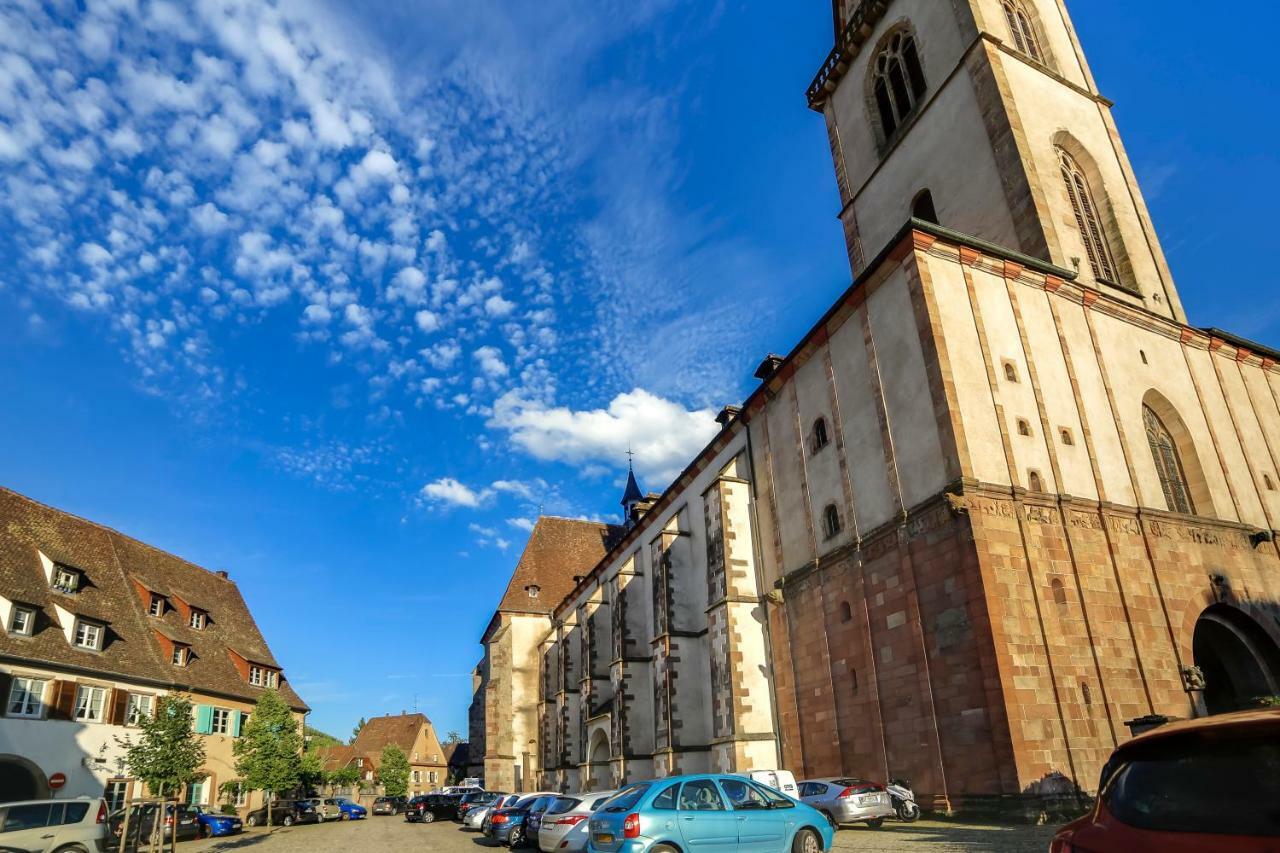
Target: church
<point x="999" y="509"/>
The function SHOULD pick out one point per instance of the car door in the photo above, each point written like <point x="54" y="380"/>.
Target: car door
<point x="760" y="830"/>
<point x="706" y="824"/>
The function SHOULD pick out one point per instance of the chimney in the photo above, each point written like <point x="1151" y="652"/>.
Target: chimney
<point x="767" y="367"/>
<point x="727" y="414"/>
<point x="222" y="573"/>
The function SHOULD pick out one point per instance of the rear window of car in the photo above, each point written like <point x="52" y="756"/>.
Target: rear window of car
<point x="626" y="798"/>
<point x="528" y="802"/>
<point x="1202" y="784"/>
<point x="563" y="804"/>
<point x="850" y="781"/>
<point x="600" y="801"/>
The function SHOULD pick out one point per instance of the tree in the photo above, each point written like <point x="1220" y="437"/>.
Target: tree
<point x="355" y="733"/>
<point x="394" y="771"/>
<point x="452" y="737"/>
<point x="269" y="749"/>
<point x="344" y="776"/>
<point x="317" y="739"/>
<point x="168" y="754"/>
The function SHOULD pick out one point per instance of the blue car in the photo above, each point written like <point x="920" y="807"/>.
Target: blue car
<point x="350" y="810"/>
<point x="212" y="823"/>
<point x="709" y="812"/>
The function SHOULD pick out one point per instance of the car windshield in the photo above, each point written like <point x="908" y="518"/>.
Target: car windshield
<point x="626" y="798"/>
<point x="1200" y="784"/>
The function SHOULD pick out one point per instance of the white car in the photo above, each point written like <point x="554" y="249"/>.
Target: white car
<point x="476" y="816"/>
<point x="557" y="823"/>
<point x="42" y="825"/>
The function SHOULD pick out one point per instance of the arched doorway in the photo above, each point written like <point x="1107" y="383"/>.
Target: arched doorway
<point x="600" y="776"/>
<point x="1239" y="661"/>
<point x="21" y="780"/>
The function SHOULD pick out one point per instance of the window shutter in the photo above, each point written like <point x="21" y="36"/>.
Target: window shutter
<point x="237" y="719"/>
<point x="6" y="683"/>
<point x="204" y="719"/>
<point x="64" y="700"/>
<point x="119" y="701"/>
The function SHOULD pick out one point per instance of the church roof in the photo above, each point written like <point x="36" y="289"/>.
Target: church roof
<point x="558" y="550"/>
<point x="632" y="493"/>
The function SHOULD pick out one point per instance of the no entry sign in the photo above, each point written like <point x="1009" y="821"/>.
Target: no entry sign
<point x="57" y="780"/>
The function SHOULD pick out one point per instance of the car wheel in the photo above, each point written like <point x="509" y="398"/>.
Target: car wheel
<point x="516" y="838"/>
<point x="806" y="841"/>
<point x="288" y="820"/>
<point x="876" y="824"/>
<point x="428" y="817"/>
<point x="71" y="848"/>
<point x="251" y="820"/>
<point x="345" y="816"/>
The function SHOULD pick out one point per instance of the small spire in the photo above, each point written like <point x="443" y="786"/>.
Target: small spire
<point x="631" y="494"/>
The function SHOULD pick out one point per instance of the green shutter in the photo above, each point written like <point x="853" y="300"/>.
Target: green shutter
<point x="236" y="719"/>
<point x="204" y="719"/>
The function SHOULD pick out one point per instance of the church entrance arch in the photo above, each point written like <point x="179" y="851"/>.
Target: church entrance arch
<point x="599" y="761"/>
<point x="1239" y="660"/>
<point x="21" y="780"/>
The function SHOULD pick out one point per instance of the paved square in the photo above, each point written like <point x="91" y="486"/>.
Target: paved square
<point x="394" y="834"/>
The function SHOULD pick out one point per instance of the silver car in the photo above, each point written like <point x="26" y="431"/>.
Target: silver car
<point x="557" y="822"/>
<point x="40" y="825"/>
<point x="847" y="799"/>
<point x="476" y="815"/>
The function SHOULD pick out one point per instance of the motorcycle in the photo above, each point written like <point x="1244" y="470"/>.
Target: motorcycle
<point x="903" y="800"/>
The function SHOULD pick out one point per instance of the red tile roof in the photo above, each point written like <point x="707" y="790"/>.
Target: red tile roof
<point x="558" y="549"/>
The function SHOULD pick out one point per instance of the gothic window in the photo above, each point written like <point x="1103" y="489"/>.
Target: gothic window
<point x="922" y="207"/>
<point x="897" y="81"/>
<point x="830" y="521"/>
<point x="846" y="612"/>
<point x="1024" y="428"/>
<point x="819" y="437"/>
<point x="1173" y="479"/>
<point x="1024" y="36"/>
<point x="1034" y="482"/>
<point x="1088" y="219"/>
<point x="1010" y="372"/>
<point x="1058" y="591"/>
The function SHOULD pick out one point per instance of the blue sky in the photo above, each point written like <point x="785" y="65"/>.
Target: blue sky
<point x="334" y="297"/>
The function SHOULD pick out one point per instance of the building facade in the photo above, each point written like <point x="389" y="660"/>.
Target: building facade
<point x="97" y="627"/>
<point x="415" y="736"/>
<point x="999" y="503"/>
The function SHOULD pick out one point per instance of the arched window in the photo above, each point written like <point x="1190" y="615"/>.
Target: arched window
<point x="1087" y="219"/>
<point x="1173" y="479"/>
<point x="1058" y="590"/>
<point x="830" y="521"/>
<point x="922" y="207"/>
<point x="1034" y="483"/>
<point x="846" y="612"/>
<point x="819" y="437"/>
<point x="1010" y="372"/>
<point x="897" y="81"/>
<point x="1024" y="35"/>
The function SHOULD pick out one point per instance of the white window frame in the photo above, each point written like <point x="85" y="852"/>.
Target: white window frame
<point x="84" y="630"/>
<point x="181" y="654"/>
<point x="198" y="619"/>
<point x="32" y="692"/>
<point x="257" y="676"/>
<point x="72" y="579"/>
<point x="242" y="795"/>
<point x="157" y="606"/>
<point x="29" y="621"/>
<point x="273" y="678"/>
<point x="85" y="709"/>
<point x="139" y="705"/>
<point x="223" y="728"/>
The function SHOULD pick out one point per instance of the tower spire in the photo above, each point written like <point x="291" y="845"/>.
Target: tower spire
<point x="631" y="495"/>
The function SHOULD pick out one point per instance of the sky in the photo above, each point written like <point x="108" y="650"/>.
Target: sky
<point x="338" y="297"/>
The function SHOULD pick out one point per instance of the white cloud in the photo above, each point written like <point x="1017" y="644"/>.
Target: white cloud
<point x="524" y="524"/>
<point x="427" y="321"/>
<point x="496" y="306"/>
<point x="94" y="255"/>
<point x="489" y="359"/>
<point x="663" y="435"/>
<point x="450" y="492"/>
<point x="209" y="219"/>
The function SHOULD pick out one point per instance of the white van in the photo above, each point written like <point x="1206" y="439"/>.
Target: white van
<point x="44" y="825"/>
<point x="779" y="780"/>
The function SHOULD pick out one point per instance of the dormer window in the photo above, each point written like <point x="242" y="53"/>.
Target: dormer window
<point x="22" y="622"/>
<point x="157" y="606"/>
<point x="65" y="579"/>
<point x="533" y="589"/>
<point x="198" y="619"/>
<point x="88" y="635"/>
<point x="181" y="654"/>
<point x="260" y="676"/>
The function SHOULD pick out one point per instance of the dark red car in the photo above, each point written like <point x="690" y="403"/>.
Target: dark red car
<point x="1195" y="785"/>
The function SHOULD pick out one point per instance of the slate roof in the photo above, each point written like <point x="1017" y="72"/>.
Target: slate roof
<point x="401" y="730"/>
<point x="119" y="575"/>
<point x="457" y="754"/>
<point x="632" y="492"/>
<point x="557" y="550"/>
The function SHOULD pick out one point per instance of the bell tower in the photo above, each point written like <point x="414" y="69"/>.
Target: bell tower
<point x="983" y="116"/>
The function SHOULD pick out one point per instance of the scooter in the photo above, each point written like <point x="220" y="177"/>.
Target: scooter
<point x="903" y="800"/>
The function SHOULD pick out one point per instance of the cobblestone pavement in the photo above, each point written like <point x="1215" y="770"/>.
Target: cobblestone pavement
<point x="393" y="834"/>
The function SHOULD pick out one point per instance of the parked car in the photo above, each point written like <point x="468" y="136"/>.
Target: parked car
<point x="1206" y="784"/>
<point x="180" y="821"/>
<point x="44" y="825"/>
<point x="389" y="805"/>
<point x="557" y="822"/>
<point x="432" y="807"/>
<point x="507" y="825"/>
<point x="462" y="789"/>
<point x="327" y="809"/>
<point x="350" y="810"/>
<point x="847" y="799"/>
<point x="476" y="815"/>
<point x="560" y="805"/>
<point x="716" y="812"/>
<point x="283" y="813"/>
<point x="477" y="800"/>
<point x="215" y="823"/>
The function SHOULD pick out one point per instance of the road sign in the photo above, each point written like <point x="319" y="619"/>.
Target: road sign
<point x="57" y="780"/>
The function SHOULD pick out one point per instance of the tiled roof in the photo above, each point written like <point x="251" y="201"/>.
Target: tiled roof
<point x="120" y="573"/>
<point x="401" y="730"/>
<point x="335" y="757"/>
<point x="457" y="754"/>
<point x="558" y="549"/>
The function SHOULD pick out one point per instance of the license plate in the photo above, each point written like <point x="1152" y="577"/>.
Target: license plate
<point x="604" y="838"/>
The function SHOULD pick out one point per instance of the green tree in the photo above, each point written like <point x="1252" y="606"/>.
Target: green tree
<point x="168" y="754"/>
<point x="317" y="739"/>
<point x="355" y="733"/>
<point x="394" y="772"/>
<point x="343" y="776"/>
<point x="269" y="749"/>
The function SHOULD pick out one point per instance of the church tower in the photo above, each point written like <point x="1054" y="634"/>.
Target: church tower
<point x="631" y="496"/>
<point x="983" y="116"/>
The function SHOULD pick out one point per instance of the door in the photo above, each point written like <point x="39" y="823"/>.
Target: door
<point x="706" y="824"/>
<point x="759" y="828"/>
